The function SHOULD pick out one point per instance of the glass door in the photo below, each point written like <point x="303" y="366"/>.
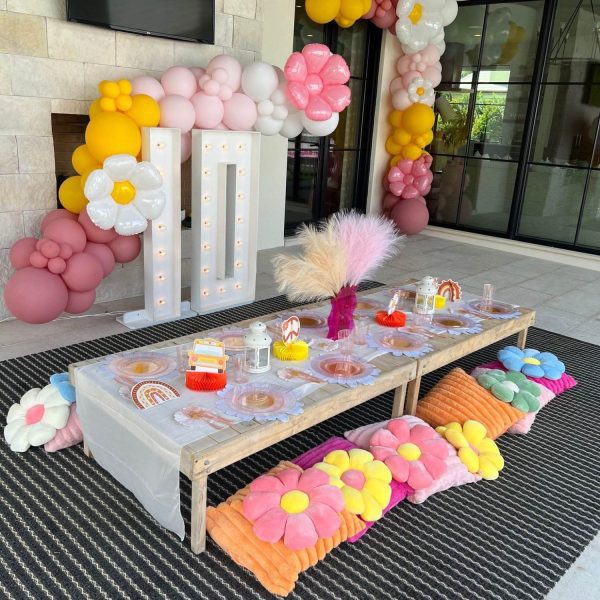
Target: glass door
<point x="327" y="174"/>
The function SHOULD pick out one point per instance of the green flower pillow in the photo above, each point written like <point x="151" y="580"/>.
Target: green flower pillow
<point x="513" y="388"/>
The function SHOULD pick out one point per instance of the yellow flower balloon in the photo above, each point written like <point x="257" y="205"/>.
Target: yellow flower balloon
<point x="71" y="195"/>
<point x="110" y="133"/>
<point x="115" y="95"/>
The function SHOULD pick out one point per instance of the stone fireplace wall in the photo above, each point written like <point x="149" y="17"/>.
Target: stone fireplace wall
<point x="49" y="65"/>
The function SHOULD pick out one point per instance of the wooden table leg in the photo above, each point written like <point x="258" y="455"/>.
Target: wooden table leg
<point x="198" y="533"/>
<point x="86" y="449"/>
<point x="522" y="338"/>
<point x="399" y="399"/>
<point x="412" y="396"/>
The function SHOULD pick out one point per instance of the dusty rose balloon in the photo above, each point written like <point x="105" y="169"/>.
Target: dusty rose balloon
<point x="57" y="265"/>
<point x="179" y="81"/>
<point x="104" y="254"/>
<point x="35" y="295"/>
<point x="389" y="201"/>
<point x="65" y="251"/>
<point x="229" y="64"/>
<point x="38" y="260"/>
<point x="65" y="231"/>
<point x="198" y="72"/>
<point x="93" y="232"/>
<point x="49" y="248"/>
<point x="186" y="146"/>
<point x="149" y="86"/>
<point x="59" y="213"/>
<point x="209" y="110"/>
<point x="80" y="301"/>
<point x="125" y="248"/>
<point x="178" y="112"/>
<point x="83" y="273"/>
<point x="240" y="113"/>
<point x="411" y="216"/>
<point x="21" y="251"/>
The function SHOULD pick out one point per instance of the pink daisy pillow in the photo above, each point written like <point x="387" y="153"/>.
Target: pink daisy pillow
<point x="415" y="454"/>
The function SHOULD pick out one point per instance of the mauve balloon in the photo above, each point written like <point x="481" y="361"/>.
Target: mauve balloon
<point x="93" y="232"/>
<point x="411" y="216"/>
<point x="125" y="248"/>
<point x="83" y="273"/>
<point x="79" y="302"/>
<point x="104" y="254"/>
<point x="65" y="231"/>
<point x="59" y="213"/>
<point x="21" y="251"/>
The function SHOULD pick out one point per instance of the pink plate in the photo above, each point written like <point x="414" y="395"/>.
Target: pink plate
<point x="232" y="338"/>
<point x="495" y="308"/>
<point x="401" y="341"/>
<point x="142" y="365"/>
<point x="452" y="321"/>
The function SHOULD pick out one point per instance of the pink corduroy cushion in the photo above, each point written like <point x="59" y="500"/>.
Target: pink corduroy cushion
<point x="68" y="436"/>
<point x="566" y="382"/>
<point x="523" y="426"/>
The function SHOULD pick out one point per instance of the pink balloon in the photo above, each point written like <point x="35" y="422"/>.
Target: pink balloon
<point x="231" y="66"/>
<point x="65" y="251"/>
<point x="406" y="165"/>
<point x="296" y="69"/>
<point x="179" y="81"/>
<point x="198" y="72"/>
<point x="316" y="56"/>
<point x="389" y="201"/>
<point x="35" y="295"/>
<point x="186" y="146"/>
<point x="79" y="302"/>
<point x="298" y="95"/>
<point x="21" y="251"/>
<point x="83" y="273"/>
<point x="38" y="260"/>
<point x="209" y="110"/>
<point x="411" y="216"/>
<point x="337" y="96"/>
<point x="125" y="248"/>
<point x="93" y="232"/>
<point x="240" y="113"/>
<point x="178" y="112"/>
<point x="66" y="231"/>
<point x="57" y="265"/>
<point x="59" y="213"/>
<point x="49" y="248"/>
<point x="149" y="86"/>
<point x="336" y="70"/>
<point x="104" y="254"/>
<point x="318" y="109"/>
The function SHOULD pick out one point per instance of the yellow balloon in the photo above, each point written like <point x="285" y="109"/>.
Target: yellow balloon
<point x="109" y="88"/>
<point x="123" y="103"/>
<point x="144" y="111"/>
<point x="125" y="87"/>
<point x="83" y="161"/>
<point x="402" y="137"/>
<point x="95" y="108"/>
<point x="395" y="118"/>
<point x="112" y="133"/>
<point x="107" y="104"/>
<point x="322" y="11"/>
<point x="418" y="118"/>
<point x="411" y="151"/>
<point x="392" y="147"/>
<point x="123" y="192"/>
<point x="352" y="10"/>
<point x="71" y="195"/>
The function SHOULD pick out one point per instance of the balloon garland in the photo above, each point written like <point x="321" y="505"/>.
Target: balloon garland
<point x="419" y="27"/>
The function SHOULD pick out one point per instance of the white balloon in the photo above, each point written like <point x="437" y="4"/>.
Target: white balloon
<point x="320" y="128"/>
<point x="259" y="81"/>
<point x="292" y="127"/>
<point x="265" y="108"/>
<point x="267" y="125"/>
<point x="449" y="12"/>
<point x="280" y="112"/>
<point x="279" y="96"/>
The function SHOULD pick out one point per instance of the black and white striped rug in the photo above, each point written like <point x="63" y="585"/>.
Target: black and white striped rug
<point x="68" y="530"/>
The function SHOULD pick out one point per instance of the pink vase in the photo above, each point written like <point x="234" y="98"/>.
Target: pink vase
<point x="342" y="311"/>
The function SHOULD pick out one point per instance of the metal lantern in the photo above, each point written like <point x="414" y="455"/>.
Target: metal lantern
<point x="257" y="349"/>
<point x="425" y="296"/>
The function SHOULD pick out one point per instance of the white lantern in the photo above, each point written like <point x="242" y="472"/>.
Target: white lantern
<point x="425" y="296"/>
<point x="257" y="349"/>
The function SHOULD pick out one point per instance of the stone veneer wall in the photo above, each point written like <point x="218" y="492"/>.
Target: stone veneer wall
<point x="49" y="65"/>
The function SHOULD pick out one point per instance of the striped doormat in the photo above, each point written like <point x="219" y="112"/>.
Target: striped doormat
<point x="68" y="530"/>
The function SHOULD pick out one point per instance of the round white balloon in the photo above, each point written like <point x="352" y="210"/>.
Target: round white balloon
<point x="267" y="125"/>
<point x="292" y="127"/>
<point x="259" y="81"/>
<point x="321" y="128"/>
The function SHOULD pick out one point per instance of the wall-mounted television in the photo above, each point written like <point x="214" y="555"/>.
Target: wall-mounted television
<point x="190" y="20"/>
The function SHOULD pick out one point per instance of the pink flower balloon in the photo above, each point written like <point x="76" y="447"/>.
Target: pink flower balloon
<point x="411" y="178"/>
<point x="149" y="86"/>
<point x="316" y="82"/>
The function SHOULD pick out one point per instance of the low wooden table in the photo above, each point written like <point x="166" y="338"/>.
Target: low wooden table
<point x="220" y="449"/>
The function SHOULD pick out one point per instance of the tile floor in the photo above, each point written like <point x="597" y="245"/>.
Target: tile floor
<point x="565" y="298"/>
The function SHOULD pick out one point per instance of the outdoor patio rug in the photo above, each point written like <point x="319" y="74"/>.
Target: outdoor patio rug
<point x="68" y="530"/>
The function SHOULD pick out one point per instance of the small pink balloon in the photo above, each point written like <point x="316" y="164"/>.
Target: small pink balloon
<point x="149" y="86"/>
<point x="316" y="57"/>
<point x="411" y="216"/>
<point x="178" y="112"/>
<point x="49" y="248"/>
<point x="314" y="84"/>
<point x="93" y="232"/>
<point x="65" y="251"/>
<point x="83" y="273"/>
<point x="389" y="201"/>
<point x="104" y="254"/>
<point x="225" y="93"/>
<point x="66" y="231"/>
<point x="420" y="168"/>
<point x="296" y="69"/>
<point x="406" y="165"/>
<point x="337" y="96"/>
<point x="209" y="110"/>
<point x="298" y="95"/>
<point x="59" y="213"/>
<point x="220" y="75"/>
<point x="318" y="110"/>
<point x="231" y="66"/>
<point x="179" y="81"/>
<point x="335" y="71"/>
<point x="186" y="146"/>
<point x="240" y="113"/>
<point x="125" y="248"/>
<point x="211" y="88"/>
<point x="79" y="302"/>
<point x="57" y="265"/>
<point x="198" y="72"/>
<point x="38" y="260"/>
<point x="35" y="295"/>
<point x="21" y="251"/>
<point x="395" y="174"/>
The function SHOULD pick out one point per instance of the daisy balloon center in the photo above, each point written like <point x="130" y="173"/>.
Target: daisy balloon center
<point x="416" y="13"/>
<point x="123" y="192"/>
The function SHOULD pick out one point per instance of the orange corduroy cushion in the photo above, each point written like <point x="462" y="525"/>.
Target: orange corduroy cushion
<point x="275" y="566"/>
<point x="458" y="397"/>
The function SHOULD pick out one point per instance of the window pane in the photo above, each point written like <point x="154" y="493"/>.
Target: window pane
<point x="352" y="44"/>
<point x="347" y="133"/>
<point x="306" y="31"/>
<point x="451" y="133"/>
<point x="302" y="178"/>
<point x="463" y="39"/>
<point x="589" y="234"/>
<point x="552" y="203"/>
<point x="511" y="38"/>
<point x="443" y="200"/>
<point x="566" y="125"/>
<point x="341" y="179"/>
<point x="574" y="46"/>
<point x="499" y="119"/>
<point x="487" y="194"/>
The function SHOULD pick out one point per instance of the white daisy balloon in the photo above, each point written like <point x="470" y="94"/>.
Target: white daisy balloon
<point x="124" y="194"/>
<point x="421" y="22"/>
<point x="36" y="418"/>
<point x="421" y="90"/>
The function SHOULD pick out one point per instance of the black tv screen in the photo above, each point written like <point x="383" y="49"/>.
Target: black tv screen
<point x="191" y="20"/>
